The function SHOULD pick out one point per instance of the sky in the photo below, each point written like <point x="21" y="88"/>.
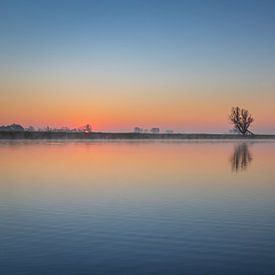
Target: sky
<point x="179" y="65"/>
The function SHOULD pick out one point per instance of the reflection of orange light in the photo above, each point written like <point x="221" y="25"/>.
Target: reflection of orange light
<point x="115" y="156"/>
<point x="86" y="170"/>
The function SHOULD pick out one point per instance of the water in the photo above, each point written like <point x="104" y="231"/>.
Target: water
<point x="137" y="207"/>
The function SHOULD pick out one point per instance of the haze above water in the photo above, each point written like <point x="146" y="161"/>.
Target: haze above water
<point x="137" y="207"/>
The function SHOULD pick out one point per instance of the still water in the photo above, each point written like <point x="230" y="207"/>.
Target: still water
<point x="137" y="207"/>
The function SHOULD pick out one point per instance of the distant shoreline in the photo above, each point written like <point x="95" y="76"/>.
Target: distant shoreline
<point x="106" y="136"/>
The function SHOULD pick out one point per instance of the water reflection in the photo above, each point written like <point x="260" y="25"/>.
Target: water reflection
<point x="241" y="157"/>
<point x="159" y="208"/>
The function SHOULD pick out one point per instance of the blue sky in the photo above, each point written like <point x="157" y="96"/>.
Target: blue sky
<point x="153" y="28"/>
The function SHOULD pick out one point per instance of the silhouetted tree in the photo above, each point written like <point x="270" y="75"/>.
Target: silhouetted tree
<point x="155" y="130"/>
<point x="30" y="129"/>
<point x="48" y="129"/>
<point x="138" y="130"/>
<point x="87" y="128"/>
<point x="241" y="120"/>
<point x="13" y="127"/>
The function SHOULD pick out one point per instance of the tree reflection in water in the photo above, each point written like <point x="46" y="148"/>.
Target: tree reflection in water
<point x="241" y="157"/>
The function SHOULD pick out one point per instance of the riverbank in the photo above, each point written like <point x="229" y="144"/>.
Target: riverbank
<point x="103" y="135"/>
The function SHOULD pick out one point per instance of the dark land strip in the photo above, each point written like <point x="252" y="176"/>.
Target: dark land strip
<point x="103" y="135"/>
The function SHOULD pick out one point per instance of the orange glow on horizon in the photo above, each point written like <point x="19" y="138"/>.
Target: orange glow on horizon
<point x="109" y="108"/>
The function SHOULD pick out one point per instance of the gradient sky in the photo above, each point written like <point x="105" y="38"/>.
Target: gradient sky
<point x="177" y="65"/>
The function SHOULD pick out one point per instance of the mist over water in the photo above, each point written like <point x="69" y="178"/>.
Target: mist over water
<point x="164" y="207"/>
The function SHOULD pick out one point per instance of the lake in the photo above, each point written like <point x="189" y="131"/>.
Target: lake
<point x="137" y="207"/>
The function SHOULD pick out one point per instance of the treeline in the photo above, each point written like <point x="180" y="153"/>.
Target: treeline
<point x="19" y="128"/>
<point x="12" y="128"/>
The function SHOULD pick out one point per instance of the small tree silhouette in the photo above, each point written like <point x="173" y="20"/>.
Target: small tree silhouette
<point x="87" y="128"/>
<point x="241" y="119"/>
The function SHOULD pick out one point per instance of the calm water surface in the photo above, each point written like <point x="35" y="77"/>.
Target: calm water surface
<point x="137" y="207"/>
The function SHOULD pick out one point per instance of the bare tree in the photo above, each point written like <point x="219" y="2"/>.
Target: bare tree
<point x="138" y="130"/>
<point x="30" y="129"/>
<point x="241" y="119"/>
<point x="87" y="128"/>
<point x="155" y="130"/>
